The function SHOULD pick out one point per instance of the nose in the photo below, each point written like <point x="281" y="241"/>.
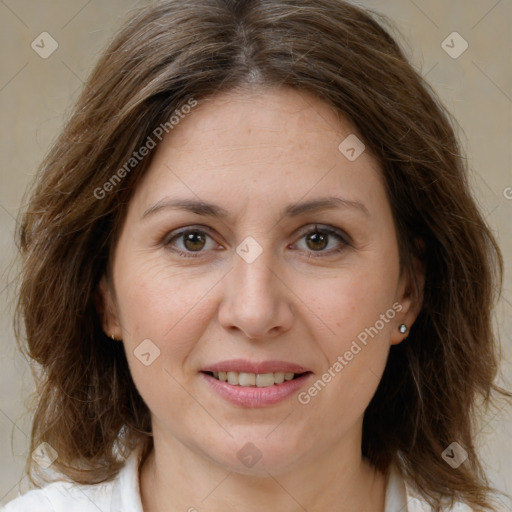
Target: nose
<point x="256" y="300"/>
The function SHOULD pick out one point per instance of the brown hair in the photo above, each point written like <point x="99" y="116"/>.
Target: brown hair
<point x="172" y="51"/>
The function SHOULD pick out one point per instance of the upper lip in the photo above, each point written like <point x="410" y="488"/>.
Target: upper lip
<point x="242" y="365"/>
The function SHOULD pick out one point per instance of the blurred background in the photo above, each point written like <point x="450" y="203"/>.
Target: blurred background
<point x="462" y="47"/>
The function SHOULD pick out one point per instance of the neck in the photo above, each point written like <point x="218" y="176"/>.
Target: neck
<point x="175" y="478"/>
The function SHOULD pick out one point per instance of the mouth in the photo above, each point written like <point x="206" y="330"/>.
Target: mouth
<point x="253" y="384"/>
<point x="259" y="380"/>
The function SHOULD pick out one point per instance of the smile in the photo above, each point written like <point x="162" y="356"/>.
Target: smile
<point x="252" y="384"/>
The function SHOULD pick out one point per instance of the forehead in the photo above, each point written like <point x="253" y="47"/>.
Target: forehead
<point x="251" y="119"/>
<point x="266" y="144"/>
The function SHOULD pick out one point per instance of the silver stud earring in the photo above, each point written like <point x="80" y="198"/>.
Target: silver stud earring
<point x="402" y="328"/>
<point x="112" y="336"/>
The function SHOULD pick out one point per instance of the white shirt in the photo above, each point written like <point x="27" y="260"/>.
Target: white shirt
<point x="122" y="494"/>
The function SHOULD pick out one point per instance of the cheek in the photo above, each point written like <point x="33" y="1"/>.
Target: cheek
<point x="156" y="299"/>
<point x="358" y="307"/>
<point x="160" y="312"/>
<point x="351" y="304"/>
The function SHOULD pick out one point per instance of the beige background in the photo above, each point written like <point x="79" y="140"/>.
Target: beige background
<point x="36" y="95"/>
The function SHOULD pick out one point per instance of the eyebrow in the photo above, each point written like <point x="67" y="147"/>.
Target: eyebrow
<point x="293" y="210"/>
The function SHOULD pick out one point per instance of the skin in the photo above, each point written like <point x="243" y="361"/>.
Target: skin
<point x="253" y="152"/>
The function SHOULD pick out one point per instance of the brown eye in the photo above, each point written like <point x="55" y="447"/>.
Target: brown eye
<point x="189" y="241"/>
<point x="317" y="241"/>
<point x="194" y="240"/>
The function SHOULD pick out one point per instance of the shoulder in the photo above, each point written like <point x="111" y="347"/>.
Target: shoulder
<point x="415" y="503"/>
<point x="64" y="497"/>
<point x="402" y="495"/>
<point x="31" y="501"/>
<point x="122" y="494"/>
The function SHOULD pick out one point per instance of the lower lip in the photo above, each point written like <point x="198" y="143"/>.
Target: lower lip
<point x="252" y="396"/>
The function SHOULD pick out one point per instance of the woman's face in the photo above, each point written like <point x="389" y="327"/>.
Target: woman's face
<point x="255" y="245"/>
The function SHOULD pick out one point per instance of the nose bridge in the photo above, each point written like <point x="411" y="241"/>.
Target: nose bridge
<point x="256" y="277"/>
<point x="256" y="302"/>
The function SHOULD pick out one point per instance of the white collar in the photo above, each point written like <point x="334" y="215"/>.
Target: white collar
<point x="396" y="492"/>
<point x="126" y="495"/>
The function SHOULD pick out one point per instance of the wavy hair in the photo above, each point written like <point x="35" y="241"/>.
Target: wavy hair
<point x="88" y="408"/>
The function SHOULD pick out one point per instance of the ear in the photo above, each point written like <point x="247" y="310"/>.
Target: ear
<point x="107" y="310"/>
<point x="410" y="293"/>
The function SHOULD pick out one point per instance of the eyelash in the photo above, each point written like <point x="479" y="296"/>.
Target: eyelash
<point x="167" y="242"/>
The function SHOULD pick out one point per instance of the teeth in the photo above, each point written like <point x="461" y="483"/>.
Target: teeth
<point x="260" y="380"/>
<point x="248" y="379"/>
<point x="264" y="380"/>
<point x="279" y="377"/>
<point x="233" y="378"/>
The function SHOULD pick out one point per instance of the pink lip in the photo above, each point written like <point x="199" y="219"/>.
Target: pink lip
<point x="242" y="365"/>
<point x="252" y="396"/>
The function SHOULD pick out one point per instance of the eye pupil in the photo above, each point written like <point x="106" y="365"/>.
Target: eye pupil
<point x="191" y="241"/>
<point x="317" y="238"/>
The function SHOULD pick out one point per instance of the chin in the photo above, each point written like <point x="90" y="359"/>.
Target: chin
<point x="258" y="457"/>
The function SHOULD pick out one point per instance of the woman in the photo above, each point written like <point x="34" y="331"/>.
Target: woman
<point x="323" y="352"/>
